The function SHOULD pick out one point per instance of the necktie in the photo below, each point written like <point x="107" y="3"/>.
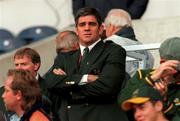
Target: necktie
<point x="85" y="53"/>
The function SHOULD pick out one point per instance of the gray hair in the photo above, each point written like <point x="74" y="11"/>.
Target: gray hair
<point x="118" y="18"/>
<point x="66" y="40"/>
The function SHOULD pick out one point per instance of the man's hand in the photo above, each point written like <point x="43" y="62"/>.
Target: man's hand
<point x="92" y="78"/>
<point x="164" y="75"/>
<point x="165" y="71"/>
<point x="162" y="87"/>
<point x="59" y="71"/>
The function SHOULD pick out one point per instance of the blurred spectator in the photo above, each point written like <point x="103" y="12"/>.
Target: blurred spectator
<point x="28" y="59"/>
<point x="118" y="28"/>
<point x="67" y="41"/>
<point x="135" y="8"/>
<point x="147" y="104"/>
<point x="22" y="95"/>
<point x="166" y="78"/>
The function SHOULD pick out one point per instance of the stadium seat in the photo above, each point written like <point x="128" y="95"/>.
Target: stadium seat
<point x="36" y="33"/>
<point x="5" y="34"/>
<point x="8" y="42"/>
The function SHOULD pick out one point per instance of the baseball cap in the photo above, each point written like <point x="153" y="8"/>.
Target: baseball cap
<point x="140" y="96"/>
<point x="170" y="49"/>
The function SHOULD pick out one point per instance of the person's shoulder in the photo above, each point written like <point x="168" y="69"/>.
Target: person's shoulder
<point x="2" y="116"/>
<point x="142" y="73"/>
<point x="67" y="53"/>
<point x="39" y="116"/>
<point x="111" y="44"/>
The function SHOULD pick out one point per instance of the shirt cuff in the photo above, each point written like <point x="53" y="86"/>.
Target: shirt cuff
<point x="84" y="80"/>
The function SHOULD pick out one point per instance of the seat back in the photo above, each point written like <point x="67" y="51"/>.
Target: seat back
<point x="36" y="33"/>
<point x="6" y="41"/>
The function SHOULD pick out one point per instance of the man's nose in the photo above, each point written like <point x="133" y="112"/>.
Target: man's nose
<point x="137" y="113"/>
<point x="3" y="95"/>
<point x="87" y="27"/>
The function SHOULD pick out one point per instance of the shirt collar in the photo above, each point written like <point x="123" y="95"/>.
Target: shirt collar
<point x="90" y="47"/>
<point x="37" y="76"/>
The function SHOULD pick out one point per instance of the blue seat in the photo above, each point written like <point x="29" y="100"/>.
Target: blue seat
<point x="8" y="42"/>
<point x="36" y="33"/>
<point x="5" y="34"/>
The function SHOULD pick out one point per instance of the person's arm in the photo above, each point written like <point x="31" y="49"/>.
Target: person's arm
<point x="57" y="77"/>
<point x="136" y="8"/>
<point x="160" y="78"/>
<point x="110" y="68"/>
<point x="110" y="78"/>
<point x="77" y="4"/>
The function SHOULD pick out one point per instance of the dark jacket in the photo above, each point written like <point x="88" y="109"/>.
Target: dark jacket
<point x="127" y="32"/>
<point x="136" y="8"/>
<point x="95" y="101"/>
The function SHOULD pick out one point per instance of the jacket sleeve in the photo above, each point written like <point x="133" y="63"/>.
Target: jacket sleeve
<point x="57" y="83"/>
<point x="77" y="4"/>
<point x="137" y="8"/>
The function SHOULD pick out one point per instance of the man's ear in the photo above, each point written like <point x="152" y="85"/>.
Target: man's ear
<point x="19" y="95"/>
<point x="101" y="29"/>
<point x="36" y="66"/>
<point x="76" y="31"/>
<point x="159" y="106"/>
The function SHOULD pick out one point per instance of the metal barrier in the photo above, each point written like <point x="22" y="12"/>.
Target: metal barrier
<point x="134" y="56"/>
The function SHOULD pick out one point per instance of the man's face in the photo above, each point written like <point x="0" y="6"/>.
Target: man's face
<point x="25" y="63"/>
<point x="10" y="99"/>
<point x="88" y="30"/>
<point x="145" y="112"/>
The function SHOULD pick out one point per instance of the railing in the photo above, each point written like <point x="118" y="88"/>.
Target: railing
<point x="135" y="56"/>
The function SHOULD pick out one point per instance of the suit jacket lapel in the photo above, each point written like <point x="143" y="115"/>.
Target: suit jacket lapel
<point x="96" y="52"/>
<point x="75" y="59"/>
<point x="92" y="57"/>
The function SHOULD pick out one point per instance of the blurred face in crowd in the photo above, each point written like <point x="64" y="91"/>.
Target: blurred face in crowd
<point x="146" y="111"/>
<point x="88" y="30"/>
<point x="26" y="63"/>
<point x="11" y="99"/>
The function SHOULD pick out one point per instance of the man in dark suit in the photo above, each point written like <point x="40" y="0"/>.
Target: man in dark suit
<point x="91" y="80"/>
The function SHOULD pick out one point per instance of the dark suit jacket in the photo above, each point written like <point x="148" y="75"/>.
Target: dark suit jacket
<point x="95" y="101"/>
<point x="136" y="8"/>
<point x="2" y="107"/>
<point x="46" y="102"/>
<point x="2" y="116"/>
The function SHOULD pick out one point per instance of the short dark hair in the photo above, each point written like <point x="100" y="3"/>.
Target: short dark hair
<point x="31" y="53"/>
<point x="88" y="11"/>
